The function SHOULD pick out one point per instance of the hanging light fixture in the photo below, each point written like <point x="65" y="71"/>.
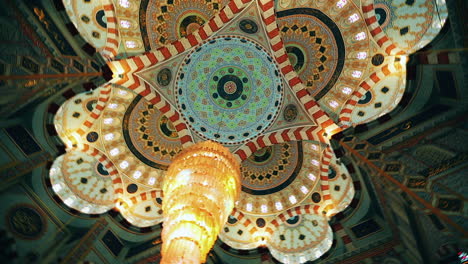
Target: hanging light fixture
<point x="200" y="188"/>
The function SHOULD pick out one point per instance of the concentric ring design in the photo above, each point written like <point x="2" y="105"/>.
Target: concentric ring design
<point x="272" y="168"/>
<point x="315" y="47"/>
<point x="229" y="90"/>
<point x="149" y="134"/>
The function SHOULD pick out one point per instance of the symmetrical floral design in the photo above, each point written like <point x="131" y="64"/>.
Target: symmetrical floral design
<point x="270" y="80"/>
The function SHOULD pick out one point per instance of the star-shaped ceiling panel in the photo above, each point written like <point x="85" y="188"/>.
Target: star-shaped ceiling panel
<point x="270" y="80"/>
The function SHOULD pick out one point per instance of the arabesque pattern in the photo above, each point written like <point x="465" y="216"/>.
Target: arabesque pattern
<point x="239" y="73"/>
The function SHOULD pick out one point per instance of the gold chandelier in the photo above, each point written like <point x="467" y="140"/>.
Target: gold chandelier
<point x="200" y="187"/>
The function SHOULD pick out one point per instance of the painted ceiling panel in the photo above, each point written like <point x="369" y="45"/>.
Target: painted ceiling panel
<point x="272" y="81"/>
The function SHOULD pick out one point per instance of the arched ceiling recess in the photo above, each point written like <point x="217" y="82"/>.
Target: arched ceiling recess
<point x="96" y="22"/>
<point x="398" y="28"/>
<point x="248" y="75"/>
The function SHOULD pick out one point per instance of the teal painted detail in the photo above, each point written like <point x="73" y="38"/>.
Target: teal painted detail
<point x="229" y="90"/>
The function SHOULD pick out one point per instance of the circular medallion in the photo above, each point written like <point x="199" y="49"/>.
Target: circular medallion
<point x="132" y="188"/>
<point x="290" y="113"/>
<point x="149" y="134"/>
<point x="316" y="198"/>
<point x="296" y="56"/>
<point x="229" y="90"/>
<point x="271" y="169"/>
<point x="164" y="77"/>
<point x="230" y="87"/>
<point x="377" y="59"/>
<point x="248" y="26"/>
<point x="25" y="221"/>
<point x="92" y="136"/>
<point x="260" y="222"/>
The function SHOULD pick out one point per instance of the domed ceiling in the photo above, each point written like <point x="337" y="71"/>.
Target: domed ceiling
<point x="270" y="80"/>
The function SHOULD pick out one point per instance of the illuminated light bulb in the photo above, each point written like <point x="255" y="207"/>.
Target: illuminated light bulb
<point x="278" y="206"/>
<point x="318" y="253"/>
<point x="124" y="3"/>
<point x="356" y="74"/>
<point x="346" y="90"/>
<point x="361" y="55"/>
<point x="151" y="181"/>
<point x="113" y="106"/>
<point x="109" y="136"/>
<point x="314" y="162"/>
<point x="360" y="36"/>
<point x="313" y="147"/>
<point x="69" y="201"/>
<point x="124" y="164"/>
<point x="264" y="208"/>
<point x="341" y="3"/>
<point x="125" y="23"/>
<point x="130" y="44"/>
<point x="137" y="175"/>
<point x="248" y="207"/>
<point x="304" y="189"/>
<point x="404" y="58"/>
<point x="292" y="199"/>
<point x="195" y="213"/>
<point x="311" y="176"/>
<point x="353" y="18"/>
<point x="333" y="104"/>
<point x="57" y="187"/>
<point x="108" y="121"/>
<point x="114" y="152"/>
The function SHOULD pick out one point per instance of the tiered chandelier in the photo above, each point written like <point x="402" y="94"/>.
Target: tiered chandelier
<point x="200" y="188"/>
<point x="245" y="78"/>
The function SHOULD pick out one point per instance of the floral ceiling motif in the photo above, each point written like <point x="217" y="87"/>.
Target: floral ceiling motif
<point x="270" y="80"/>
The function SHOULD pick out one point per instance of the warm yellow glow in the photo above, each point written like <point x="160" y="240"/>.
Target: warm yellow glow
<point x="404" y="58"/>
<point x="200" y="188"/>
<point x="116" y="68"/>
<point x="330" y="132"/>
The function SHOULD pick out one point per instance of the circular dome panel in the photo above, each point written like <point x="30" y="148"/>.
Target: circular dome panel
<point x="81" y="182"/>
<point x="149" y="134"/>
<point x="180" y="18"/>
<point x="229" y="90"/>
<point x="306" y="240"/>
<point x="90" y="20"/>
<point x="272" y="168"/>
<point x="72" y="114"/>
<point x="145" y="212"/>
<point x="314" y="45"/>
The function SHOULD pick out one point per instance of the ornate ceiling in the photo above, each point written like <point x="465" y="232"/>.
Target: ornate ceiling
<point x="270" y="80"/>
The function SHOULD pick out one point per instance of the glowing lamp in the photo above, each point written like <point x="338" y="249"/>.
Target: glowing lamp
<point x="200" y="188"/>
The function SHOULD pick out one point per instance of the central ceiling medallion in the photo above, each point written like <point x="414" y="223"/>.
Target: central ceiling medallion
<point x="229" y="90"/>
